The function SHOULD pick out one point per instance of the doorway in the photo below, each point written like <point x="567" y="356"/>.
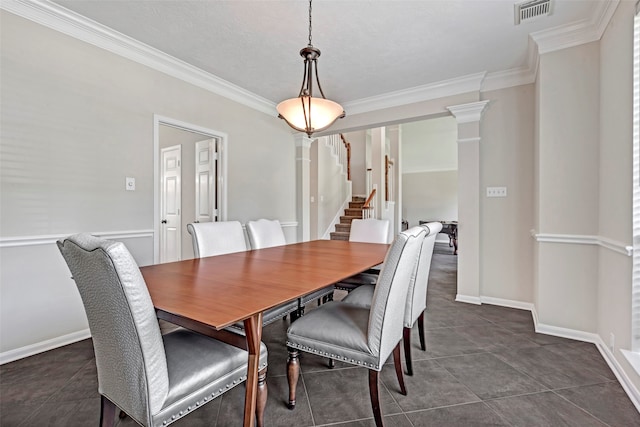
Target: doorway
<point x="202" y="184"/>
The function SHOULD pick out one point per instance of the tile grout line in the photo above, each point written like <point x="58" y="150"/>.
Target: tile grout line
<point x="579" y="407"/>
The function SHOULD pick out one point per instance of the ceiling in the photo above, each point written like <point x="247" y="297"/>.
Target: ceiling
<point x="369" y="47"/>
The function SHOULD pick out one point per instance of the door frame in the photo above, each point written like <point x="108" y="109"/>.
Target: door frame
<point x="221" y="176"/>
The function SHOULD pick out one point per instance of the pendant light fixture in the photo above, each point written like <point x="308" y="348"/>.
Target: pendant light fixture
<point x="307" y="113"/>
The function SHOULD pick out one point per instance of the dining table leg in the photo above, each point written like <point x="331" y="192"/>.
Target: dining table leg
<point x="253" y="331"/>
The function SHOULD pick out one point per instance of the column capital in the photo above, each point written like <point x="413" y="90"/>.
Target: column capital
<point x="302" y="140"/>
<point x="468" y="113"/>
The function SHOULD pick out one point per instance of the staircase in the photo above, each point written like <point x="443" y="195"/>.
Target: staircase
<point x="353" y="211"/>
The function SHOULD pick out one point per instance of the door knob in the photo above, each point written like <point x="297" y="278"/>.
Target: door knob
<point x="164" y="221"/>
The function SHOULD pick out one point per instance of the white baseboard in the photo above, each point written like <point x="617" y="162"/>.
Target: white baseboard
<point x="607" y="355"/>
<point x="468" y="299"/>
<point x="507" y="303"/>
<point x="624" y="380"/>
<point x="40" y="347"/>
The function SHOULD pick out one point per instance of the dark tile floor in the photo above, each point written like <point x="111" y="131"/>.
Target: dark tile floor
<point x="484" y="366"/>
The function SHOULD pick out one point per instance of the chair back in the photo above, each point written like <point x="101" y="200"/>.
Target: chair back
<point x="129" y="351"/>
<point x="389" y="298"/>
<point x="369" y="230"/>
<point x="417" y="294"/>
<point x="216" y="238"/>
<point x="265" y="233"/>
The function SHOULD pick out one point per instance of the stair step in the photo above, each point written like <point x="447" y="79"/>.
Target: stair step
<point x="358" y="199"/>
<point x="345" y="228"/>
<point x="356" y="205"/>
<point x="339" y="236"/>
<point x="353" y="212"/>
<point x="347" y="219"/>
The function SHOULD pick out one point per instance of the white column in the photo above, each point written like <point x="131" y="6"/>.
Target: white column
<point x="378" y="140"/>
<point x="303" y="184"/>
<point x="469" y="117"/>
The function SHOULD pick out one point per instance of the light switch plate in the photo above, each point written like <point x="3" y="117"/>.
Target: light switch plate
<point x="496" y="191"/>
<point x="130" y="184"/>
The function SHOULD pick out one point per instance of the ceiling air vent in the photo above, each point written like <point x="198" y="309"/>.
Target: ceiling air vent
<point x="530" y="10"/>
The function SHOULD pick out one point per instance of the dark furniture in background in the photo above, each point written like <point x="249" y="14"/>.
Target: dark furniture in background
<point x="451" y="229"/>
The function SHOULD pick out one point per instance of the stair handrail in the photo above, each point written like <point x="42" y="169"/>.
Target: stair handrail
<point x="367" y="207"/>
<point x="347" y="145"/>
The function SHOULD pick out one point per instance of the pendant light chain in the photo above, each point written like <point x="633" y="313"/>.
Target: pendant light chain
<point x="308" y="113"/>
<point x="310" y="23"/>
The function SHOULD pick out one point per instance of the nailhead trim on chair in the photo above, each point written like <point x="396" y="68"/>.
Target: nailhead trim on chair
<point x="331" y="355"/>
<point x="227" y="387"/>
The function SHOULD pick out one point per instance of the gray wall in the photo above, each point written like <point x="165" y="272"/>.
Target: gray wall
<point x="76" y="120"/>
<point x="430" y="171"/>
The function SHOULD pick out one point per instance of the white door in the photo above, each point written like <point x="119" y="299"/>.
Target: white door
<point x="170" y="204"/>
<point x="206" y="160"/>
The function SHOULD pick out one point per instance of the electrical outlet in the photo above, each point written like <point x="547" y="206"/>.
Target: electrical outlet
<point x="496" y="191"/>
<point x="612" y="342"/>
<point x="130" y="184"/>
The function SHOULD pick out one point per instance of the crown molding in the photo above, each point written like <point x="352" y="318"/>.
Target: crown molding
<point x="577" y="33"/>
<point x="72" y="24"/>
<point x="441" y="89"/>
<point x="468" y="113"/>
<point x="515" y="76"/>
<point x="67" y="22"/>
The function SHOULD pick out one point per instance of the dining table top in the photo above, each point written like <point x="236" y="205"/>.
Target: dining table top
<point x="221" y="290"/>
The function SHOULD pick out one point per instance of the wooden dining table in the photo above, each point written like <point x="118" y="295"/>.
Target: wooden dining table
<point x="212" y="293"/>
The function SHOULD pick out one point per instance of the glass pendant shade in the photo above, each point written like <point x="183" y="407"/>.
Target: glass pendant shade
<point x="309" y="114"/>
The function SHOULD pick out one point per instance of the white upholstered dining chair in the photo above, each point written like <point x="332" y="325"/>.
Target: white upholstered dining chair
<point x="223" y="237"/>
<point x="155" y="379"/>
<point x="216" y="238"/>
<point x="369" y="230"/>
<point x="416" y="296"/>
<point x="362" y="336"/>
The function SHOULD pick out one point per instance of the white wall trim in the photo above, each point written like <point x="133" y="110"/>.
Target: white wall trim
<point x="515" y="76"/>
<point x="16" y="241"/>
<point x="40" y="347"/>
<point x="509" y="78"/>
<point x="441" y="89"/>
<point x="466" y="140"/>
<point x="577" y="33"/>
<point x="468" y="113"/>
<point x="607" y="355"/>
<point x="431" y="170"/>
<point x="75" y="25"/>
<point x="623" y="378"/>
<point x="578" y="239"/>
<point x="507" y="303"/>
<point x="468" y="299"/>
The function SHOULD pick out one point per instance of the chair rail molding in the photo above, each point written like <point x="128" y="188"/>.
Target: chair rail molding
<point x="16" y="241"/>
<point x="580" y="239"/>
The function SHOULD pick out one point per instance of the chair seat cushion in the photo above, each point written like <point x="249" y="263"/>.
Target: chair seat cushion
<point x="361" y="279"/>
<point x="353" y="282"/>
<point x="362" y="296"/>
<point x="195" y="377"/>
<point x="269" y="316"/>
<point x="335" y="330"/>
<point x="317" y="294"/>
